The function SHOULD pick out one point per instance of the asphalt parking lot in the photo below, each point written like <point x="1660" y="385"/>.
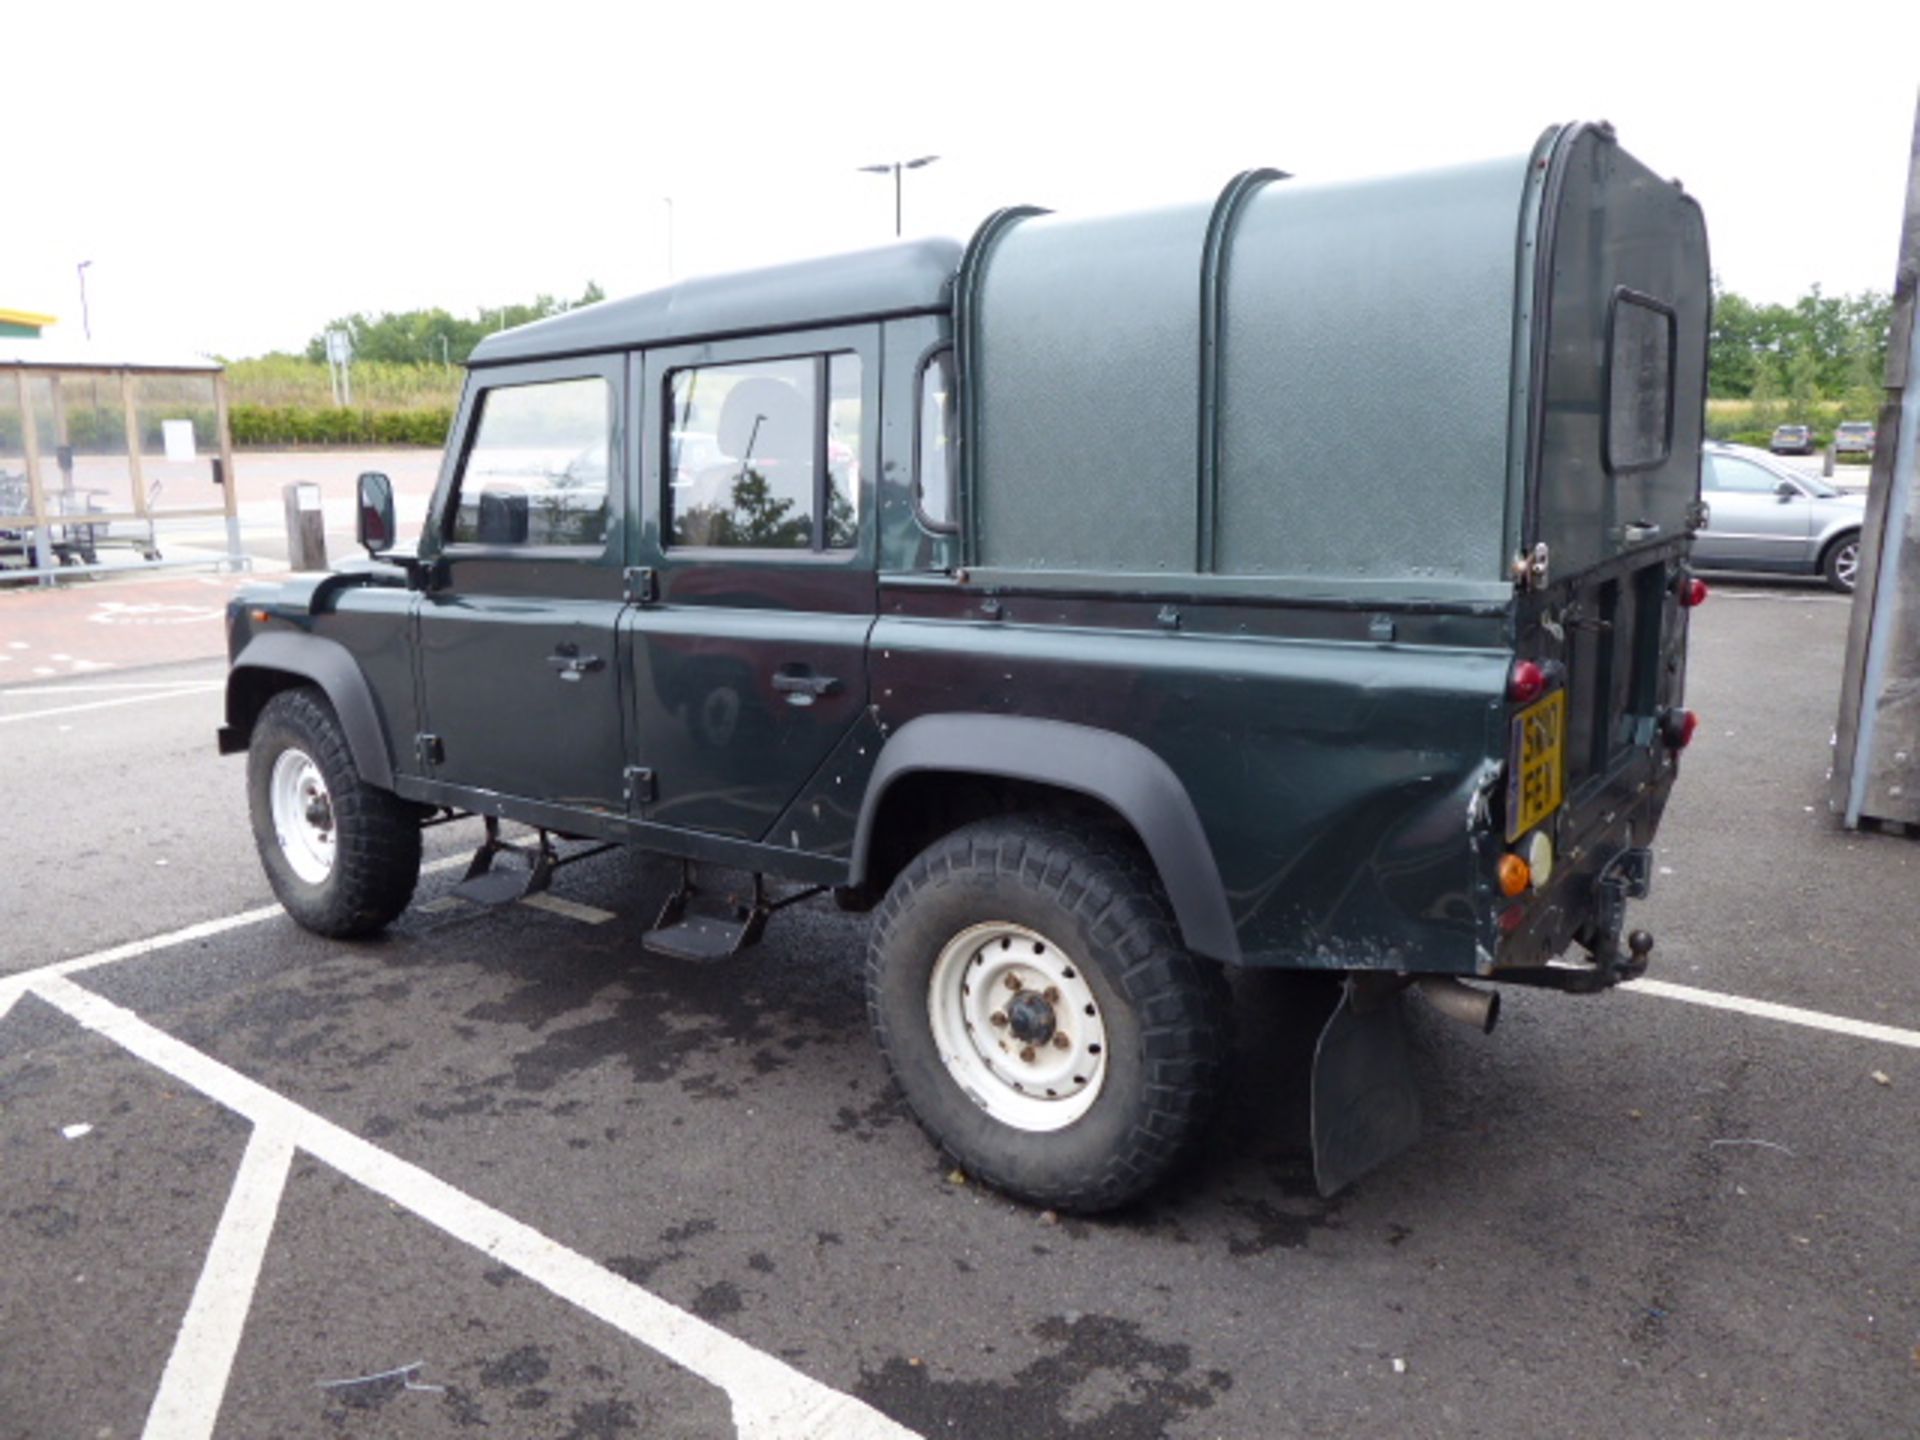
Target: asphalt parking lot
<point x="504" y="1172"/>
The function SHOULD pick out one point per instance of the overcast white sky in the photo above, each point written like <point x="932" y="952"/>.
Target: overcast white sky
<point x="238" y="175"/>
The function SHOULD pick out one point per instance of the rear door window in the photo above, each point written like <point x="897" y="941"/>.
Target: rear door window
<point x="765" y="454"/>
<point x="1639" y="383"/>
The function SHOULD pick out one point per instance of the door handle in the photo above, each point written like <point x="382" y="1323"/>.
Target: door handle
<point x="803" y="687"/>
<point x="571" y="664"/>
<point x="1634" y="531"/>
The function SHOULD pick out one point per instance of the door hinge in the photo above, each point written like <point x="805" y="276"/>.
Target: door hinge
<point x="642" y="585"/>
<point x="1699" y="515"/>
<point x="1530" y="568"/>
<point x="638" y="786"/>
<point x="428" y="750"/>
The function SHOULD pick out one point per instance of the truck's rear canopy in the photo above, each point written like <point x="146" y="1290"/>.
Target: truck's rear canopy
<point x="1348" y="388"/>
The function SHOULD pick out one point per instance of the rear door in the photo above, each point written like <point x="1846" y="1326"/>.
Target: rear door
<point x="1615" y="446"/>
<point x="749" y="661"/>
<point x="518" y="668"/>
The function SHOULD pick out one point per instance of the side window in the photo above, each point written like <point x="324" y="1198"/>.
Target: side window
<point x="765" y="454"/>
<point x="934" y="445"/>
<point x="537" y="470"/>
<point x="1725" y="473"/>
<point x="1639" y="383"/>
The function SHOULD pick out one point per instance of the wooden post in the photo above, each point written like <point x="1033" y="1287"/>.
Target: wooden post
<point x="36" y="498"/>
<point x="306" y="526"/>
<point x="135" y="473"/>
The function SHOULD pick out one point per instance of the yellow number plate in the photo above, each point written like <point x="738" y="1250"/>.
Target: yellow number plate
<point x="1535" y="765"/>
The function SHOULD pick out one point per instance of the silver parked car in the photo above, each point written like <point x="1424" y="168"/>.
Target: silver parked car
<point x="1854" y="437"/>
<point x="1764" y="515"/>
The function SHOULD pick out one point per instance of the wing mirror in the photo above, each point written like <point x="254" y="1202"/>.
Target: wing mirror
<point x="1787" y="490"/>
<point x="373" y="513"/>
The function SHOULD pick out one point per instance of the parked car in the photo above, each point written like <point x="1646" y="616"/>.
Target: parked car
<point x="1792" y="440"/>
<point x="1137" y="701"/>
<point x="1765" y="516"/>
<point x="1853" y="437"/>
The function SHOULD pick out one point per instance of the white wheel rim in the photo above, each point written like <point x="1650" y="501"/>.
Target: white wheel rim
<point x="1847" y="563"/>
<point x="302" y="815"/>
<point x="1017" y="1026"/>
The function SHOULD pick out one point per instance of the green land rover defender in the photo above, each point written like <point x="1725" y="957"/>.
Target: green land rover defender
<point x="1295" y="581"/>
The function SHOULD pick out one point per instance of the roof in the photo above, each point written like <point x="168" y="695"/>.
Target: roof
<point x="78" y="355"/>
<point x="894" y="280"/>
<point x="27" y="317"/>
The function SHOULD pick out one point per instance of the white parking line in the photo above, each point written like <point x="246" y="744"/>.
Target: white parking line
<point x="1768" y="1010"/>
<point x="198" y="687"/>
<point x="11" y="986"/>
<point x="92" y="687"/>
<point x="195" y="1380"/>
<point x="771" y="1400"/>
<point x="1721" y="593"/>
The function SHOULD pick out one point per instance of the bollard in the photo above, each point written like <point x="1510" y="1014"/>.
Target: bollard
<point x="306" y="526"/>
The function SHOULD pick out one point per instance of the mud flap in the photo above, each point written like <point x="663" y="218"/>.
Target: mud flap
<point x="1365" y="1107"/>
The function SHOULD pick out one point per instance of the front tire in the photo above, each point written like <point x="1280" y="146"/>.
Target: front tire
<point x="342" y="856"/>
<point x="1841" y="563"/>
<point x="1030" y="993"/>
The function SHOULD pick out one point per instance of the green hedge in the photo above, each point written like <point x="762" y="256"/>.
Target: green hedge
<point x="325" y="425"/>
<point x="103" y="432"/>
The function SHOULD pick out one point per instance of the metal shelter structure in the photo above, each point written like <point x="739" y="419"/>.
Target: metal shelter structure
<point x="1876" y="759"/>
<point x="96" y="447"/>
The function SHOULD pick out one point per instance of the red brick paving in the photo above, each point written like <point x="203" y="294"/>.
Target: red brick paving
<point x="86" y="627"/>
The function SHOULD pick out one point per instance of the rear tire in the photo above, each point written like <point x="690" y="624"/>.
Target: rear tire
<point x="1083" y="1084"/>
<point x="342" y="856"/>
<point x="1841" y="563"/>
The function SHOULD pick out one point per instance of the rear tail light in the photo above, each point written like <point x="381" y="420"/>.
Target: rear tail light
<point x="1692" y="590"/>
<point x="1526" y="682"/>
<point x="1677" y="727"/>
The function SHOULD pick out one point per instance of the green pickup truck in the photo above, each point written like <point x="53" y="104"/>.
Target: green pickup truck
<point x="1294" y="581"/>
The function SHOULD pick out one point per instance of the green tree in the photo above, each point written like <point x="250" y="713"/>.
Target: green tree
<point x="1865" y="391"/>
<point x="1766" y="391"/>
<point x="1803" y="386"/>
<point x="433" y="337"/>
<point x="1731" y="344"/>
<point x="1833" y="331"/>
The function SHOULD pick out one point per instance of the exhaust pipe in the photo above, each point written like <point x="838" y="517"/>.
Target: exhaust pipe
<point x="1478" y="1008"/>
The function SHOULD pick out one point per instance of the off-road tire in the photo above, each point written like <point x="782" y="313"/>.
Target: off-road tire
<point x="1164" y="1011"/>
<point x="1831" y="565"/>
<point x="376" y="860"/>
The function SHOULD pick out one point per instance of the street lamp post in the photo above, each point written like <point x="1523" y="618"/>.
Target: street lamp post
<point x="86" y="321"/>
<point x="894" y="168"/>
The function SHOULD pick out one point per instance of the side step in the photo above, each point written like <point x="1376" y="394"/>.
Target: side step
<point x="685" y="935"/>
<point x="484" y="885"/>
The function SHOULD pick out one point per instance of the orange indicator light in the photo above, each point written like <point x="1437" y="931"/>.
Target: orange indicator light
<point x="1514" y="875"/>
